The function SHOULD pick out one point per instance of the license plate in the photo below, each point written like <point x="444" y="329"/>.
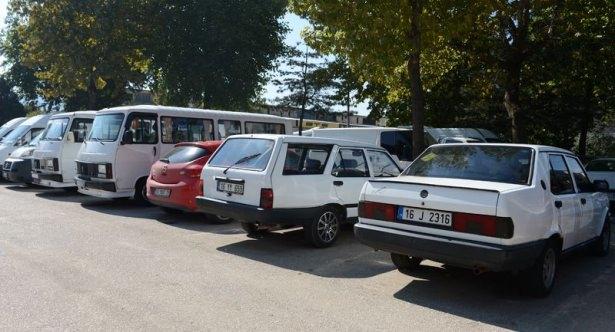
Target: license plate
<point x="162" y="192"/>
<point x="230" y="187"/>
<point x="425" y="216"/>
<point x="34" y="175"/>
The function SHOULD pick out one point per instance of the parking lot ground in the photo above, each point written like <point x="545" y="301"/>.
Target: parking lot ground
<point x="71" y="262"/>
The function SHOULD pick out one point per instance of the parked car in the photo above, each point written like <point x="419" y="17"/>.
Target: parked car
<point x="53" y="162"/>
<point x="23" y="134"/>
<point x="116" y="158"/>
<point x="497" y="207"/>
<point x="6" y="128"/>
<point x="18" y="166"/>
<point x="267" y="180"/>
<point x="175" y="180"/>
<point x="604" y="169"/>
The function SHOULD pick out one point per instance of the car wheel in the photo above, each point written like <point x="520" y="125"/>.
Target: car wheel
<point x="219" y="219"/>
<point x="603" y="242"/>
<point x="405" y="262"/>
<point x="141" y="192"/>
<point x="541" y="276"/>
<point x="171" y="210"/>
<point x="324" y="230"/>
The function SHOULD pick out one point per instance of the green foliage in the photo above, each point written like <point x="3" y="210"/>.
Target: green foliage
<point x="10" y="107"/>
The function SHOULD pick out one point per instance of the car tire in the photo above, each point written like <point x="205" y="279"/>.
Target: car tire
<point x="171" y="210"/>
<point x="405" y="262"/>
<point x="540" y="278"/>
<point x="324" y="230"/>
<point x="602" y="245"/>
<point x="141" y="192"/>
<point x="219" y="219"/>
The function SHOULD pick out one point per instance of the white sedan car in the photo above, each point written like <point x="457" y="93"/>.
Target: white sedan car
<point x="497" y="207"/>
<point x="603" y="169"/>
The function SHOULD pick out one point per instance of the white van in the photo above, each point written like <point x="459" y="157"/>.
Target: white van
<point x="115" y="159"/>
<point x="9" y="126"/>
<point x="22" y="135"/>
<point x="53" y="161"/>
<point x="272" y="180"/>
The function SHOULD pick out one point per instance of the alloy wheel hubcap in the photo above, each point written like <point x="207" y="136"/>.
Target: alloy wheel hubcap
<point x="327" y="226"/>
<point x="548" y="268"/>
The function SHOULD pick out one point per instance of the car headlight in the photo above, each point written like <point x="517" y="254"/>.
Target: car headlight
<point x="102" y="171"/>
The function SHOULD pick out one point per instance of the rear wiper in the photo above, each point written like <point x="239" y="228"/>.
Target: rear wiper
<point x="242" y="160"/>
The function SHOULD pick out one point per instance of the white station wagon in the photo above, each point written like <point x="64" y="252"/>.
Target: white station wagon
<point x="498" y="207"/>
<point x="273" y="180"/>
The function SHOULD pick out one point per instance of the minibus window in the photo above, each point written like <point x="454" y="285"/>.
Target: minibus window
<point x="80" y="129"/>
<point x="55" y="129"/>
<point x="398" y="143"/>
<point x="106" y="127"/>
<point x="177" y="130"/>
<point x="227" y="128"/>
<point x="264" y="128"/>
<point x="143" y="128"/>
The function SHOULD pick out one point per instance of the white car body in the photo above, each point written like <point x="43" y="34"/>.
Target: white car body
<point x="300" y="194"/>
<point x="111" y="168"/>
<point x="53" y="161"/>
<point x="604" y="169"/>
<point x="526" y="215"/>
<point x="17" y="168"/>
<point x="22" y="135"/>
<point x="10" y="125"/>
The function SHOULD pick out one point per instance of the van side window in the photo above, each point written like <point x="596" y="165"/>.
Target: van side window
<point x="398" y="143"/>
<point x="382" y="164"/>
<point x="350" y="163"/>
<point x="306" y="159"/>
<point x="143" y="128"/>
<point x="264" y="128"/>
<point x="584" y="185"/>
<point x="80" y="129"/>
<point x="561" y="182"/>
<point x="227" y="128"/>
<point x="177" y="130"/>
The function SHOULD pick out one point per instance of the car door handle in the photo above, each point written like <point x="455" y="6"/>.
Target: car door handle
<point x="155" y="151"/>
<point x="338" y="183"/>
<point x="558" y="204"/>
<point x="583" y="201"/>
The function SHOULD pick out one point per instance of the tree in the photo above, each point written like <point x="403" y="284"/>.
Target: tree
<point x="305" y="80"/>
<point x="10" y="107"/>
<point x="75" y="46"/>
<point x="346" y="88"/>
<point x="213" y="53"/>
<point x="400" y="46"/>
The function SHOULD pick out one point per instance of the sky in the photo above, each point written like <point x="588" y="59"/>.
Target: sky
<point x="295" y="24"/>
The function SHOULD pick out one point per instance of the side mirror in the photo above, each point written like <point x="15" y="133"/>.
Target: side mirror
<point x="127" y="138"/>
<point x="601" y="185"/>
<point x="70" y="137"/>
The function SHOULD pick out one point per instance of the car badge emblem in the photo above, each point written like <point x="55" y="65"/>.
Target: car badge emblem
<point x="164" y="170"/>
<point x="424" y="193"/>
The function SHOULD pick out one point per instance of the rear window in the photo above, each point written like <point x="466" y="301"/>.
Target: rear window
<point x="601" y="166"/>
<point x="244" y="153"/>
<point x="184" y="154"/>
<point x="483" y="163"/>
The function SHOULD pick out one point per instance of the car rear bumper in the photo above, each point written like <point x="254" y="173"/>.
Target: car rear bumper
<point x="182" y="197"/>
<point x="255" y="214"/>
<point x="450" y="251"/>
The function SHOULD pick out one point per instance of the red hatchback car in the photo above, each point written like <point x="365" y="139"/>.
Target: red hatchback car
<point x="175" y="180"/>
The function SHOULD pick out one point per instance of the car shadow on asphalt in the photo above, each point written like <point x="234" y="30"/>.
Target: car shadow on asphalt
<point x="287" y="249"/>
<point x="582" y="297"/>
<point x="197" y="222"/>
<point x="24" y="188"/>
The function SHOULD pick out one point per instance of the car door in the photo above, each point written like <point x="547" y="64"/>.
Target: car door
<point x="590" y="216"/>
<point x="566" y="203"/>
<point x="139" y="149"/>
<point x="350" y="172"/>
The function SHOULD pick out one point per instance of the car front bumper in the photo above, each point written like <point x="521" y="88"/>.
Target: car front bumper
<point x="19" y="170"/>
<point x="255" y="214"/>
<point x="450" y="251"/>
<point x="51" y="180"/>
<point x="101" y="189"/>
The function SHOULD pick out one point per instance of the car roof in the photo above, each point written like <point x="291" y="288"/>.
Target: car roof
<point x="89" y="114"/>
<point x="309" y="140"/>
<point x="157" y="108"/>
<point x="202" y="144"/>
<point x="539" y="148"/>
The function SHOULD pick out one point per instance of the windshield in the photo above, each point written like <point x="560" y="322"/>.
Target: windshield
<point x="244" y="153"/>
<point x="35" y="141"/>
<point x="483" y="163"/>
<point x="106" y="127"/>
<point x="55" y="129"/>
<point x="15" y="135"/>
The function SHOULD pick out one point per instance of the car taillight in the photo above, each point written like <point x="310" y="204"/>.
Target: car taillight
<point x="483" y="225"/>
<point x="378" y="211"/>
<point x="266" y="198"/>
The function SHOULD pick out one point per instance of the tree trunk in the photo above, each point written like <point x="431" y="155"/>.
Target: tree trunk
<point x="586" y="121"/>
<point x="416" y="85"/>
<point x="92" y="94"/>
<point x="348" y="109"/>
<point x="511" y="104"/>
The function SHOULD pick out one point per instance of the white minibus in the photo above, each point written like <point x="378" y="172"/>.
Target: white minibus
<point x="22" y="135"/>
<point x="115" y="159"/>
<point x="9" y="126"/>
<point x="53" y="161"/>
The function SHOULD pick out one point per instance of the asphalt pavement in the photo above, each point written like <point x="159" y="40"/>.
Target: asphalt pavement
<point x="72" y="262"/>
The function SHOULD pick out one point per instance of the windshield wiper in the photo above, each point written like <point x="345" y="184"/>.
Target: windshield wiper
<point x="242" y="160"/>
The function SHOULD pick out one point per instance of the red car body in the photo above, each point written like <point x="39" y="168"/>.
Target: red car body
<point x="175" y="180"/>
